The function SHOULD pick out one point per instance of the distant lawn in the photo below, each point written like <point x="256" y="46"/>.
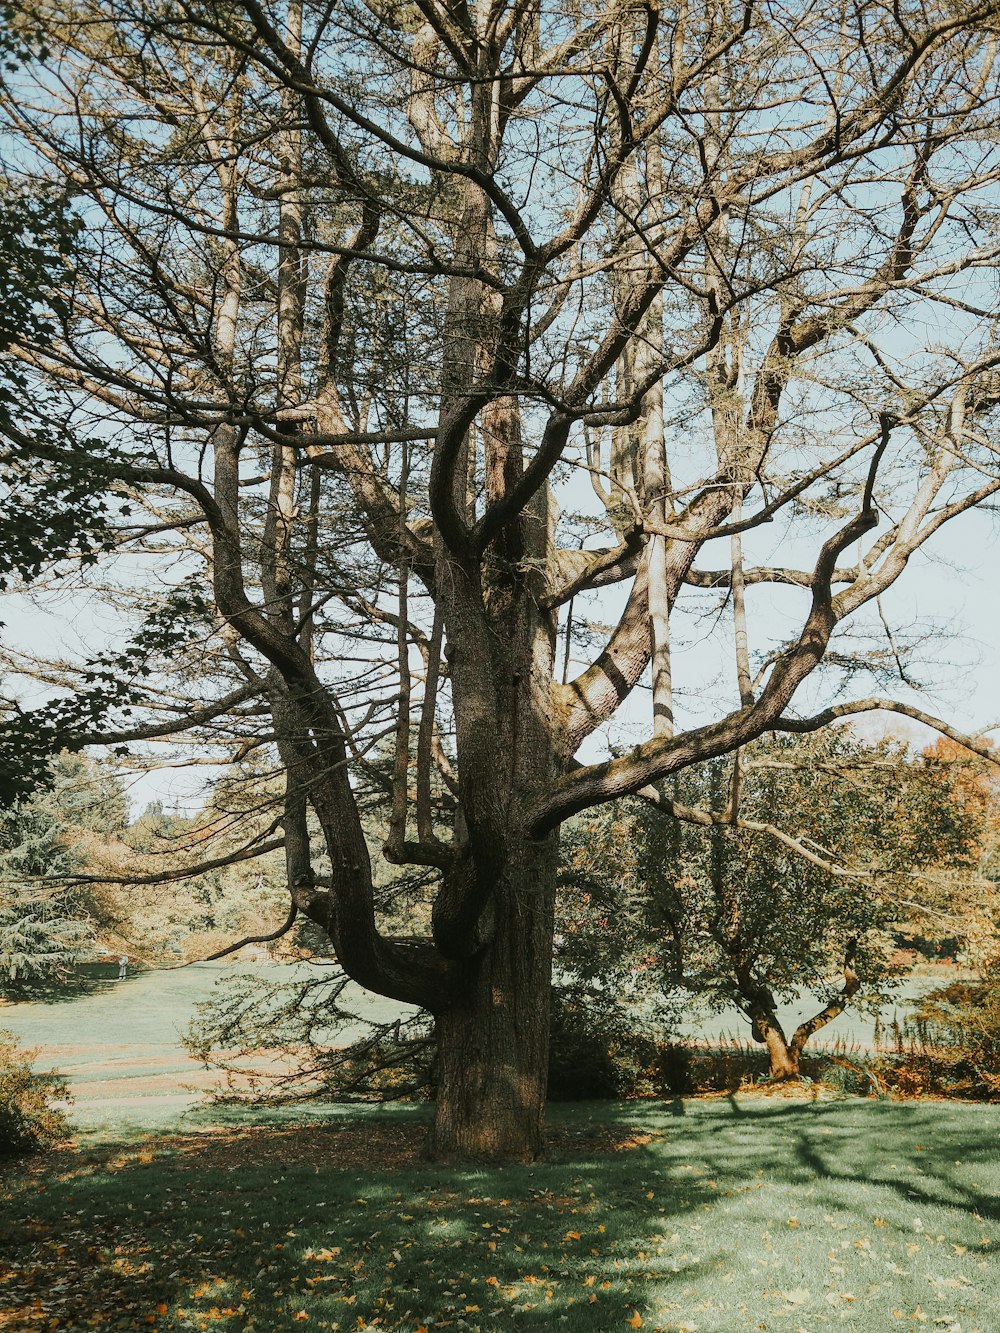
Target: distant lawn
<point x="716" y="1216"/>
<point x="119" y="1044"/>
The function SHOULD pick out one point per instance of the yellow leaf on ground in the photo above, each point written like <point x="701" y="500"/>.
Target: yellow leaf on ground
<point x="636" y="1320"/>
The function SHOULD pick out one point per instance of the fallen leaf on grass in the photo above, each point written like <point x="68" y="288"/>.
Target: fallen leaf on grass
<point x="798" y="1296"/>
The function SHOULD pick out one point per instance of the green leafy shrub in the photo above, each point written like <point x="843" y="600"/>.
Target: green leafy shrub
<point x="28" y="1120"/>
<point x="675" y="1069"/>
<point x="692" y="1068"/>
<point x="953" y="1040"/>
<point x="597" y="1051"/>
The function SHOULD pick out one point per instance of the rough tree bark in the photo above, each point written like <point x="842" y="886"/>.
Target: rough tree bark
<point x="784" y="1054"/>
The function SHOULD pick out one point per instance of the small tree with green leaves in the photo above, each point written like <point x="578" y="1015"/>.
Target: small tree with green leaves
<point x="751" y="884"/>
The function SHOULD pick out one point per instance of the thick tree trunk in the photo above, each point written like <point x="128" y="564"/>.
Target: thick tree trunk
<point x="493" y="1038"/>
<point x="783" y="1058"/>
<point x="493" y="1044"/>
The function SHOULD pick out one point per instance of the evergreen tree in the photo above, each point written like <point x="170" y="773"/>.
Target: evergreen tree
<point x="45" y="927"/>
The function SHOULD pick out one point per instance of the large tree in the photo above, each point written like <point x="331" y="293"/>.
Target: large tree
<point x="369" y="291"/>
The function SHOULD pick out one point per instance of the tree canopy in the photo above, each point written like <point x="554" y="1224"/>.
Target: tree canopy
<point x="744" y="911"/>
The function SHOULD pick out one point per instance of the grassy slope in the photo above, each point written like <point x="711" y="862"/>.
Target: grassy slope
<point x="119" y="1044"/>
<point x="717" y="1216"/>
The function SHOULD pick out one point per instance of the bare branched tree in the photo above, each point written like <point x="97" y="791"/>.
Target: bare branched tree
<point x="413" y="334"/>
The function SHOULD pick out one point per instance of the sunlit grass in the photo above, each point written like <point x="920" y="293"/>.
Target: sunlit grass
<point x="732" y="1215"/>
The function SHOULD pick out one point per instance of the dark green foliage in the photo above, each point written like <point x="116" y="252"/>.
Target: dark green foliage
<point x="675" y="1067"/>
<point x="55" y="500"/>
<point x="20" y="39"/>
<point x="111" y="683"/>
<point x="40" y="943"/>
<point x="44" y="926"/>
<point x="36" y="235"/>
<point x="40" y="939"/>
<point x="598" y="1050"/>
<point x="28" y="1120"/>
<point x="53" y="486"/>
<point x="54" y="507"/>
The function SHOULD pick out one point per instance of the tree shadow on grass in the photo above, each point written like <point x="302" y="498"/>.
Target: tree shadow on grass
<point x="910" y="1148"/>
<point x="344" y="1223"/>
<point x="914" y="1163"/>
<point x="85" y="979"/>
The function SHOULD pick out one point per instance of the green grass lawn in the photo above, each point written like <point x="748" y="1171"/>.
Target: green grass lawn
<point x="716" y="1216"/>
<point x="119" y="1045"/>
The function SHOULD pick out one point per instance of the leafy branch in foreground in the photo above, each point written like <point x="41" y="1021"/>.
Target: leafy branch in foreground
<point x="317" y="1045"/>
